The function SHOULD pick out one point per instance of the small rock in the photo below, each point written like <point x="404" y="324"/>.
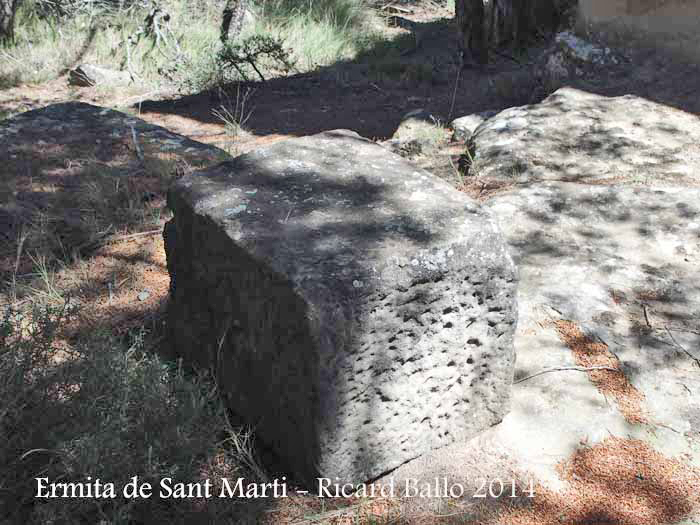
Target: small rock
<point x="581" y="49"/>
<point x="418" y="131"/>
<point x="405" y="148"/>
<point x="571" y="56"/>
<point x="463" y="127"/>
<point x="414" y="122"/>
<point x="90" y="75"/>
<point x="418" y="114"/>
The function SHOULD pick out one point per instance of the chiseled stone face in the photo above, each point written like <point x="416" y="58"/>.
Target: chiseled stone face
<point x="359" y="312"/>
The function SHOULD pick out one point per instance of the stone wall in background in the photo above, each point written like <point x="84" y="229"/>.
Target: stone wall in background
<point x="670" y="24"/>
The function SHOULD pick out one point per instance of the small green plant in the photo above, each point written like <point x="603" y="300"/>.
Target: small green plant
<point x="234" y="113"/>
<point x="47" y="289"/>
<point x="465" y="171"/>
<point x="251" y="53"/>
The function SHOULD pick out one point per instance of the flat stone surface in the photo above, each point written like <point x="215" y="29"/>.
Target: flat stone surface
<point x="620" y="259"/>
<point x="360" y="310"/>
<point x="76" y="126"/>
<point x="610" y="259"/>
<point x="580" y="137"/>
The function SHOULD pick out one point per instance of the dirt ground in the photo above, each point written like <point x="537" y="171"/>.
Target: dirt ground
<point x="367" y="96"/>
<point x="371" y="96"/>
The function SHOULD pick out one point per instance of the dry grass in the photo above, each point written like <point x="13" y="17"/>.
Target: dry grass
<point x="311" y="510"/>
<point x="83" y="225"/>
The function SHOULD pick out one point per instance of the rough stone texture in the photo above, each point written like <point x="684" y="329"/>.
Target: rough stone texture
<point x="604" y="226"/>
<point x="580" y="137"/>
<point x="464" y="127"/>
<point x="624" y="263"/>
<point x="418" y="133"/>
<point x="611" y="240"/>
<point x="91" y="75"/>
<point x="413" y="119"/>
<point x="583" y="50"/>
<point x="360" y="311"/>
<point x="58" y="142"/>
<point x="101" y="131"/>
<point x="406" y="148"/>
<point x="570" y="57"/>
<point x="417" y="125"/>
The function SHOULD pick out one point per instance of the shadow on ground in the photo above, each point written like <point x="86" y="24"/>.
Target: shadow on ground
<point x="372" y="93"/>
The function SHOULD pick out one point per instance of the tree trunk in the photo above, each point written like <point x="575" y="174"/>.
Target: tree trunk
<point x="8" y="8"/>
<point x="470" y="23"/>
<point x="232" y="23"/>
<point x="488" y="24"/>
<point x="519" y="21"/>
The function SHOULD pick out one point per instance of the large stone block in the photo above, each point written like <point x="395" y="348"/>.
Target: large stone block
<point x="358" y="312"/>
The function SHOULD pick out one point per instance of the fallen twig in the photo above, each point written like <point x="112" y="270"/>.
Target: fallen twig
<point x="206" y="134"/>
<point x="23" y="234"/>
<point x="646" y="315"/>
<point x="684" y="330"/>
<point x="454" y="95"/>
<point x="139" y="153"/>
<point x="697" y="361"/>
<point x="563" y="368"/>
<point x="668" y="427"/>
<point x="397" y="8"/>
<point x="137" y="98"/>
<point x="111" y="240"/>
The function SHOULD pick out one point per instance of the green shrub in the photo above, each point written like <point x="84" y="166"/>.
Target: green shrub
<point x="253" y="53"/>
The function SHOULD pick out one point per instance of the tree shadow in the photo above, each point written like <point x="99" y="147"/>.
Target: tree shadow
<point x="610" y="209"/>
<point x="649" y="70"/>
<point x="617" y="230"/>
<point x="83" y="192"/>
<point x="371" y="93"/>
<point x="368" y="94"/>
